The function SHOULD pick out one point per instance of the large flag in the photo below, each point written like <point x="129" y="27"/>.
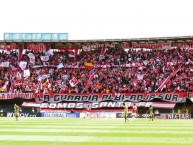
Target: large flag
<point x="31" y="58"/>
<point x="88" y="65"/>
<point x="73" y="82"/>
<point x="22" y="64"/>
<point x="168" y="78"/>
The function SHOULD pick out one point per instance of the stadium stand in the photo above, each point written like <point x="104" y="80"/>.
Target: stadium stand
<point x="100" y="70"/>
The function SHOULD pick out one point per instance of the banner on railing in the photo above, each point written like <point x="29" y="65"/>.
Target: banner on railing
<point x="38" y="47"/>
<point x="88" y="46"/>
<point x="8" y="47"/>
<point x="152" y="46"/>
<point x="161" y="116"/>
<point x="98" y="97"/>
<point x="7" y="96"/>
<point x="132" y="97"/>
<point x="95" y="105"/>
<point x="24" y="114"/>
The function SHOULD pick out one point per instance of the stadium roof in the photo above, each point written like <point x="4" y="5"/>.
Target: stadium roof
<point x="138" y="40"/>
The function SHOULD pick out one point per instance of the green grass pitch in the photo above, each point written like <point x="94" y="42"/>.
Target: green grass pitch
<point x="66" y="131"/>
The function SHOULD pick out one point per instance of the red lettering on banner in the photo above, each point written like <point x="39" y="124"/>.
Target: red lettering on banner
<point x="6" y="96"/>
<point x="183" y="45"/>
<point x="8" y="47"/>
<point x="94" y="46"/>
<point x="152" y="46"/>
<point x="36" y="47"/>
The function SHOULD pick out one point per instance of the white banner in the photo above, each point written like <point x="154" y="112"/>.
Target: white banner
<point x="49" y="52"/>
<point x="43" y="77"/>
<point x="31" y="58"/>
<point x="4" y="64"/>
<point x="22" y="64"/>
<point x="44" y="58"/>
<point x="60" y="66"/>
<point x="152" y="46"/>
<point x="26" y="73"/>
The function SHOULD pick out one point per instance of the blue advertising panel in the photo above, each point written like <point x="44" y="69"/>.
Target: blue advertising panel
<point x="8" y="36"/>
<point x="62" y="36"/>
<point x="16" y="36"/>
<point x="26" y="36"/>
<point x="46" y="36"/>
<point x="60" y="115"/>
<point x="36" y="36"/>
<point x="55" y="36"/>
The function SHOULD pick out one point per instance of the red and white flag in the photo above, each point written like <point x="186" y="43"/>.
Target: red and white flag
<point x="103" y="51"/>
<point x="92" y="75"/>
<point x="168" y="78"/>
<point x="73" y="82"/>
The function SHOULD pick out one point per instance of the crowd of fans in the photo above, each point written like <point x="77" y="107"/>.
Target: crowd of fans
<point x="116" y="70"/>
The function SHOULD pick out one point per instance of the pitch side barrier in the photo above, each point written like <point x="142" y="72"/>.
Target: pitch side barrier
<point x="95" y="115"/>
<point x="60" y="115"/>
<point x="160" y="116"/>
<point x="25" y="114"/>
<point x="47" y="114"/>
